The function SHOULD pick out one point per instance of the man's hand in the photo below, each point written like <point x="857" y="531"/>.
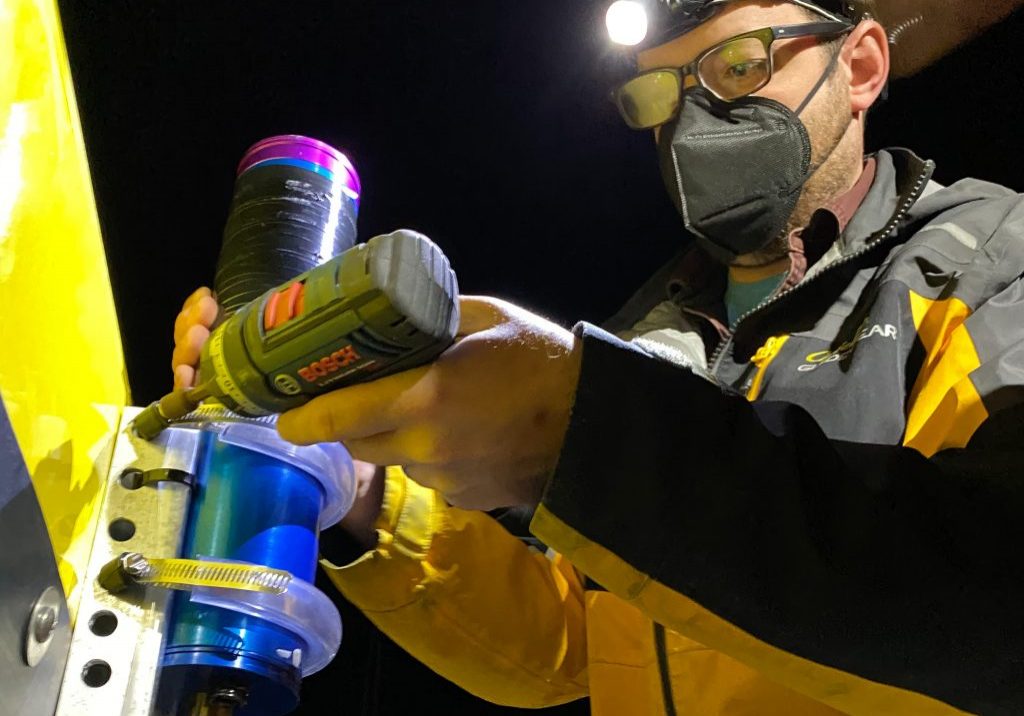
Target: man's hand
<point x="483" y="425"/>
<point x="191" y="330"/>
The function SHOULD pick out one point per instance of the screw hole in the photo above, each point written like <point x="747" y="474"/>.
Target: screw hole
<point x="103" y="623"/>
<point x="131" y="479"/>
<point x="96" y="673"/>
<point x="121" y="529"/>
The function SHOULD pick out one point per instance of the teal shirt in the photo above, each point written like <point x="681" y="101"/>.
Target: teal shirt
<point x="742" y="297"/>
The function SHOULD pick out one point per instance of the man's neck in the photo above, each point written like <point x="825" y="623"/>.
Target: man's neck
<point x="778" y="252"/>
<point x="749" y="274"/>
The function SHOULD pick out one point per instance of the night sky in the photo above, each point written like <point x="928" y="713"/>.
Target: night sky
<point x="483" y="124"/>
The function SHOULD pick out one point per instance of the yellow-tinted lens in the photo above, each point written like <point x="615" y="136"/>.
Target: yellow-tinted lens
<point x="649" y="99"/>
<point x="735" y="68"/>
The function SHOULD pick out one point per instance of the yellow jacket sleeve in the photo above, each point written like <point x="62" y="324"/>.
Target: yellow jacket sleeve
<point x="469" y="600"/>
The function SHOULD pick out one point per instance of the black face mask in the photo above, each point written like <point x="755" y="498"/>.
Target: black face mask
<point x="736" y="169"/>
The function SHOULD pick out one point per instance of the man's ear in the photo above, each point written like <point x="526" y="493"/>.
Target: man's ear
<point x="866" y="56"/>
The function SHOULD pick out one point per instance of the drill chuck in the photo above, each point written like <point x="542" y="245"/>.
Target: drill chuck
<point x="160" y="414"/>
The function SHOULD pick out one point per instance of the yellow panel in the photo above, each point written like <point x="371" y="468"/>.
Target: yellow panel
<point x="61" y="364"/>
<point x="945" y="407"/>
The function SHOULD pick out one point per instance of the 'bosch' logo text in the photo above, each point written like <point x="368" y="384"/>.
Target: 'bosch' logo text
<point x="329" y="364"/>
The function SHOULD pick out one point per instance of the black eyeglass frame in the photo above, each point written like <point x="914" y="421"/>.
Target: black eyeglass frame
<point x="767" y="36"/>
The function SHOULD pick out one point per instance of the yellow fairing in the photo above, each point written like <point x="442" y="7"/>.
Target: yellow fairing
<point x="61" y="365"/>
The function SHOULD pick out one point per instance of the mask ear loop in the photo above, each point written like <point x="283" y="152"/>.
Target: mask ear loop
<point x="821" y="81"/>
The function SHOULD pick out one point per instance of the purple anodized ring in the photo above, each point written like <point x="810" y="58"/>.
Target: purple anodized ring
<point x="307" y="153"/>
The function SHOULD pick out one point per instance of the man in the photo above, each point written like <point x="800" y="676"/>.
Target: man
<point x="797" y="485"/>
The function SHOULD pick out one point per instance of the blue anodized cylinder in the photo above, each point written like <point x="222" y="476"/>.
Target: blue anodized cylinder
<point x="254" y="508"/>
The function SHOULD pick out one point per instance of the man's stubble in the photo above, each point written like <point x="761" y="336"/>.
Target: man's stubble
<point x="836" y="158"/>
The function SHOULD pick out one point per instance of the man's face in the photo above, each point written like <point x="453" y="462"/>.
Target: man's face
<point x="798" y="63"/>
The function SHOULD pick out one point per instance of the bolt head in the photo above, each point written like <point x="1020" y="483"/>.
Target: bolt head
<point x="44" y="623"/>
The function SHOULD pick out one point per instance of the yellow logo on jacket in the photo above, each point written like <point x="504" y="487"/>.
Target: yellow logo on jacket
<point x="816" y="360"/>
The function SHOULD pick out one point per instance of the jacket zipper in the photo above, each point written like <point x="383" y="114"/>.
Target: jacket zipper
<point x="723" y="345"/>
<point x="666" y="677"/>
<point x="713" y="365"/>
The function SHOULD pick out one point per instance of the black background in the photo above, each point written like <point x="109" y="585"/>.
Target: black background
<point x="483" y="124"/>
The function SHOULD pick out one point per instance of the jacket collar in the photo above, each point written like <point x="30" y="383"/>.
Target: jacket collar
<point x="694" y="281"/>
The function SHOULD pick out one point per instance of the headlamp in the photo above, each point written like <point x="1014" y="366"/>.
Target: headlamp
<point x="645" y="23"/>
<point x="627" y="22"/>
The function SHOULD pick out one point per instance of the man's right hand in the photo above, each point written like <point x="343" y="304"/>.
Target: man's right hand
<point x="191" y="330"/>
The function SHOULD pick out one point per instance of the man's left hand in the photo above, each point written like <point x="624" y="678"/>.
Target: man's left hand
<point x="483" y="424"/>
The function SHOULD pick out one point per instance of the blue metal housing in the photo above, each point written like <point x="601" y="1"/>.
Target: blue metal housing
<point x="255" y="508"/>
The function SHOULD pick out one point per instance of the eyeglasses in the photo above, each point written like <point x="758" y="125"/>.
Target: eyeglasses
<point x="729" y="70"/>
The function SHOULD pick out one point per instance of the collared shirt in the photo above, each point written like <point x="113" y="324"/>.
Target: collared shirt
<point x="698" y="283"/>
<point x="748" y="287"/>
